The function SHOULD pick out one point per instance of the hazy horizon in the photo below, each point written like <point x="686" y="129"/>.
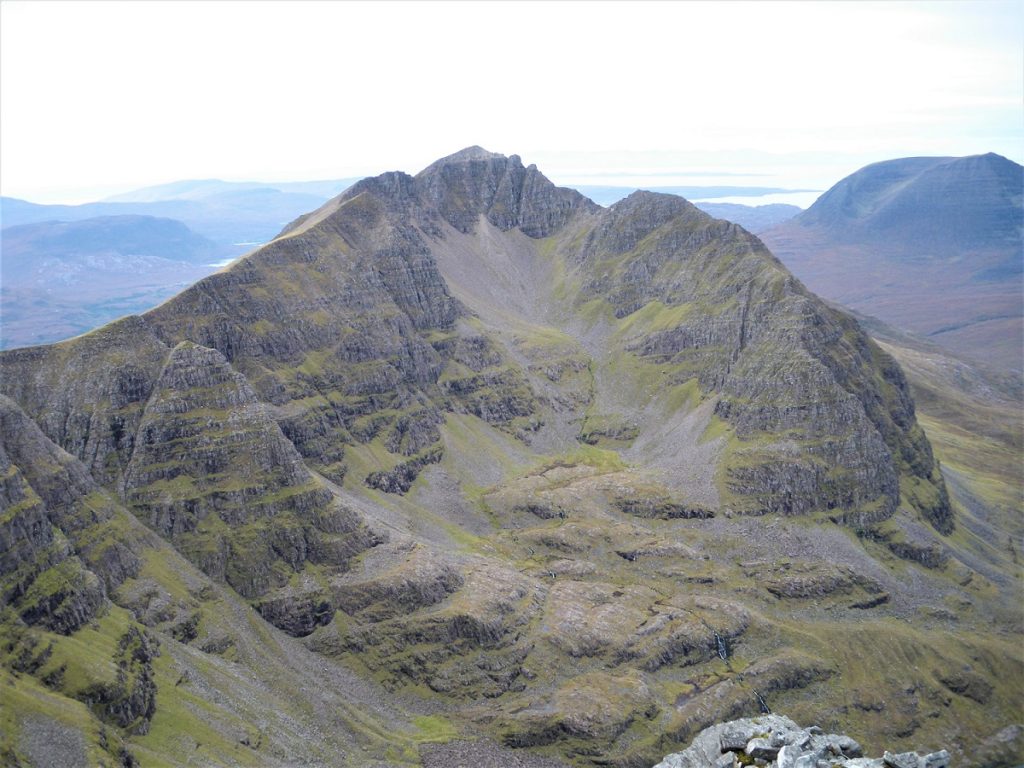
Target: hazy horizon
<point x="799" y="194"/>
<point x="101" y="98"/>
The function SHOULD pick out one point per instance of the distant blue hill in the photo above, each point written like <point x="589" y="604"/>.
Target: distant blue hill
<point x="227" y="213"/>
<point x="753" y="218"/>
<point x="201" y="189"/>
<point x="933" y="205"/>
<point x="608" y="195"/>
<point x="933" y="245"/>
<point x="61" y="278"/>
<point x="126" y="235"/>
<point x="15" y="212"/>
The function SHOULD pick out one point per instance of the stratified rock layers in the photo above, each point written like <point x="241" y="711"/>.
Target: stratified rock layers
<point x="297" y="426"/>
<point x="344" y="327"/>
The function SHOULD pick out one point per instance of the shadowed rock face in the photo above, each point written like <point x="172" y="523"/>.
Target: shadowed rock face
<point x="59" y="551"/>
<point x="87" y="395"/>
<point x="474" y="182"/>
<point x="235" y="498"/>
<point x="782" y="362"/>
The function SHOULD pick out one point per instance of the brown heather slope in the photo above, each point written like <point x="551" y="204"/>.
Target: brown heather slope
<point x="579" y="480"/>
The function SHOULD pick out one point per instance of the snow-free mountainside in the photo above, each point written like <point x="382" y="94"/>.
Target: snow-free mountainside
<point x="68" y="269"/>
<point x="933" y="245"/>
<point x="464" y="464"/>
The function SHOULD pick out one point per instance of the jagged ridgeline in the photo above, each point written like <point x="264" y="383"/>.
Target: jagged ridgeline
<point x="484" y="442"/>
<point x="349" y="329"/>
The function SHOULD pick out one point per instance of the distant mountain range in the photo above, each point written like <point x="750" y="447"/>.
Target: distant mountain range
<point x="124" y="235"/>
<point x="754" y="218"/>
<point x="929" y="244"/>
<point x="70" y="268"/>
<point x="235" y="215"/>
<point x="64" y="278"/>
<point x="204" y="189"/>
<point x="607" y="195"/>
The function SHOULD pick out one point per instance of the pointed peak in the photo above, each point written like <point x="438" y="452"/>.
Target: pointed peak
<point x="993" y="158"/>
<point x="473" y="153"/>
<point x="468" y="155"/>
<point x="476" y="152"/>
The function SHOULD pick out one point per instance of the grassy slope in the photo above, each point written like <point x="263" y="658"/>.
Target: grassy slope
<point x="239" y="693"/>
<point x="977" y="430"/>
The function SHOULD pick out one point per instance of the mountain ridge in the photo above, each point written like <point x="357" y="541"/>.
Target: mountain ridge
<point x="204" y="188"/>
<point x="500" y="190"/>
<point x="539" y="447"/>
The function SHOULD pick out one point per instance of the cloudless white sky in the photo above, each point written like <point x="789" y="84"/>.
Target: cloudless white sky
<point x="100" y="97"/>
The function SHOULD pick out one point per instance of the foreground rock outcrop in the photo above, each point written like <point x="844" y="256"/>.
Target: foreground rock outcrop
<point x="776" y="741"/>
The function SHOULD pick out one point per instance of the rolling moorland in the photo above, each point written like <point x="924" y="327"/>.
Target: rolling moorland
<point x="463" y="461"/>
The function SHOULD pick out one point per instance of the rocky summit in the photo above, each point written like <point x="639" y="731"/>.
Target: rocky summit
<point x="778" y="742"/>
<point x="462" y="463"/>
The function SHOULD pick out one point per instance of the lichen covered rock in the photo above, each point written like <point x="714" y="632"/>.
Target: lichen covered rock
<point x="775" y="741"/>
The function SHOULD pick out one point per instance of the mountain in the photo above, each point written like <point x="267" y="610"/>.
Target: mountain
<point x="64" y="278"/>
<point x="238" y="218"/>
<point x="69" y="269"/>
<point x="928" y="244"/>
<point x="15" y="212"/>
<point x="233" y="214"/>
<point x="201" y="189"/>
<point x="464" y="457"/>
<point x="754" y="218"/>
<point x="607" y="195"/>
<point x="950" y="204"/>
<point x="121" y="235"/>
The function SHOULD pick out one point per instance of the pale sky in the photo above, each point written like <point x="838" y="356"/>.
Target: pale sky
<point x="97" y="98"/>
